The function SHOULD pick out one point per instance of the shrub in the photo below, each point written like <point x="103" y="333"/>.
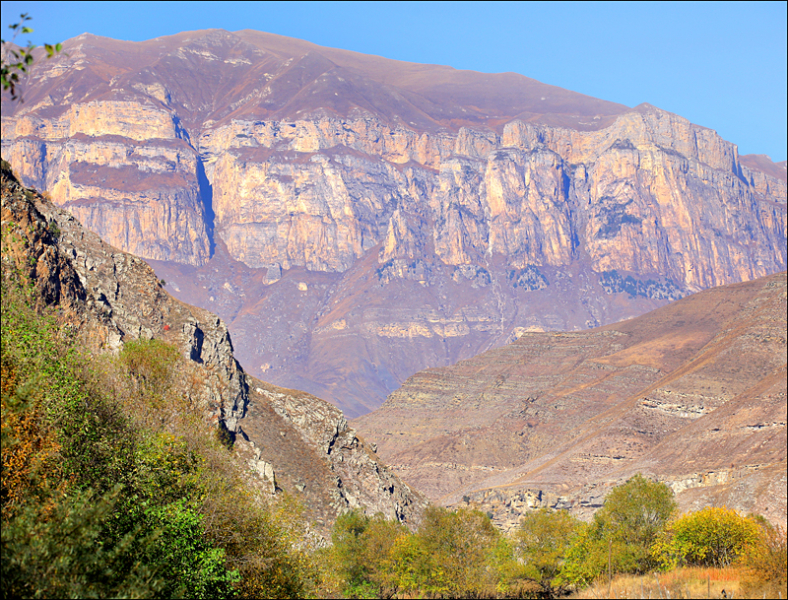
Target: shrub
<point x="709" y="537"/>
<point x="766" y="563"/>
<point x="106" y="495"/>
<point x="150" y="362"/>
<point x="59" y="551"/>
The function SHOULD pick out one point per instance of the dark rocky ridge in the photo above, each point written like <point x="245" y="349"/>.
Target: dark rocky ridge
<point x="291" y="440"/>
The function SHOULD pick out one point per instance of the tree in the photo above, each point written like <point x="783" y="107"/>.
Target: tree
<point x="461" y="546"/>
<point x="636" y="511"/>
<point x="622" y="532"/>
<point x="543" y="539"/>
<point x="16" y="60"/>
<point x="362" y="555"/>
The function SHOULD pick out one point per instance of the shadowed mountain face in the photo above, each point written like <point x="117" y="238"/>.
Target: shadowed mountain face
<point x="693" y="393"/>
<point x="356" y="219"/>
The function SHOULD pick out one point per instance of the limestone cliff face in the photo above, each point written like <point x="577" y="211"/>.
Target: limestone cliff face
<point x="283" y="156"/>
<point x="652" y="193"/>
<point x="138" y="190"/>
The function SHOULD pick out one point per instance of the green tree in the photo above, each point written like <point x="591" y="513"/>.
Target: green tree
<point x="16" y="60"/>
<point x="543" y="539"/>
<point x="622" y="532"/>
<point x="461" y="547"/>
<point x="362" y="558"/>
<point x="411" y="566"/>
<point x="713" y="536"/>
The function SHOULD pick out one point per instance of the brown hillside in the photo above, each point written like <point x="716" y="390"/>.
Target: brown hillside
<point x="693" y="393"/>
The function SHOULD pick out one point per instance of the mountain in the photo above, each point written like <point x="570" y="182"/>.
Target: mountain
<point x="288" y="440"/>
<point x="693" y="393"/>
<point x="356" y="219"/>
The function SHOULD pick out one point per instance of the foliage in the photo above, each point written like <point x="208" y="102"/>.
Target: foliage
<point x="622" y="532"/>
<point x="543" y="539"/>
<point x="460" y="545"/>
<point x="58" y="551"/>
<point x="17" y="61"/>
<point x="112" y="485"/>
<point x="453" y="554"/>
<point x="361" y="559"/>
<point x="411" y="566"/>
<point x="766" y="563"/>
<point x="709" y="537"/>
<point x="149" y="361"/>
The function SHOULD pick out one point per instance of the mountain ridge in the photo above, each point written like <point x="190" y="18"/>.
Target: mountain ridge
<point x="373" y="244"/>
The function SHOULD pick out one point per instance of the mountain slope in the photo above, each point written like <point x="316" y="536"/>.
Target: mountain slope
<point x="693" y="393"/>
<point x="356" y="219"/>
<point x="291" y="441"/>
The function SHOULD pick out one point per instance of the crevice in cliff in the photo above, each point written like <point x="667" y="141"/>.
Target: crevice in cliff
<point x="206" y="194"/>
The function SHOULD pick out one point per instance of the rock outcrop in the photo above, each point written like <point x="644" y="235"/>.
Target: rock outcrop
<point x="290" y="440"/>
<point x="693" y="394"/>
<point x="368" y="180"/>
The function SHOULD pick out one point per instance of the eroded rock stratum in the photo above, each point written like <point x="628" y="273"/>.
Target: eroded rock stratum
<point x="692" y="394"/>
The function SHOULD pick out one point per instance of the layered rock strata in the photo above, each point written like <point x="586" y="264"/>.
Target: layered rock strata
<point x="693" y="394"/>
<point x="368" y="180"/>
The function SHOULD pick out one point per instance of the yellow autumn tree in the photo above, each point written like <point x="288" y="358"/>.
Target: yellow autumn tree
<point x="714" y="536"/>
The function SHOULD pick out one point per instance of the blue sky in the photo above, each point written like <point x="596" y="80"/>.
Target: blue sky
<point x="719" y="64"/>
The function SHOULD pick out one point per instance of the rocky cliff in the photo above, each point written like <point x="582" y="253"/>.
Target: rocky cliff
<point x="290" y="441"/>
<point x="693" y="394"/>
<point x="355" y="219"/>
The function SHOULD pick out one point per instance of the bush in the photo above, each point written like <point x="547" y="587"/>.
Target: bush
<point x="709" y="537"/>
<point x="106" y="495"/>
<point x="150" y="362"/>
<point x="766" y="563"/>
<point x="59" y="550"/>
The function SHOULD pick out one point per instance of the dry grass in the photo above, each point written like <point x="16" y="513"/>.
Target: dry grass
<point x="686" y="582"/>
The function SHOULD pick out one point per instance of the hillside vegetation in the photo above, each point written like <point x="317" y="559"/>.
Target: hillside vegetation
<point x="112" y="485"/>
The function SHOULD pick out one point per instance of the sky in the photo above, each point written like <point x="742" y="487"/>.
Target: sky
<point x="719" y="64"/>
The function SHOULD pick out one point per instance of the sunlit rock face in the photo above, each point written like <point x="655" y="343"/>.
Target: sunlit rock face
<point x="356" y="219"/>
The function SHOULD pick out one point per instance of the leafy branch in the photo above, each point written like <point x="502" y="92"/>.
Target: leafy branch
<point x="17" y="61"/>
